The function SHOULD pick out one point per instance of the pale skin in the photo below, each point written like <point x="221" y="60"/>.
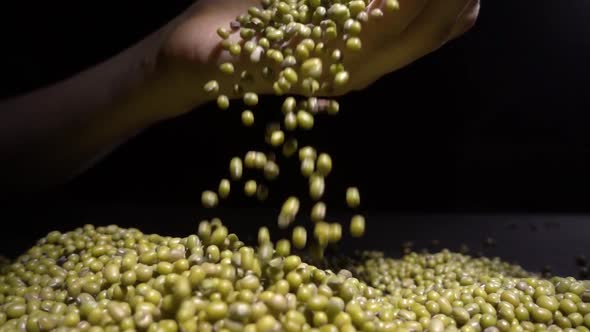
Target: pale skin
<point x="50" y="135"/>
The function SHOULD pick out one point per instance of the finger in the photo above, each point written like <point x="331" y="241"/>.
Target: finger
<point x="376" y="30"/>
<point x="428" y="32"/>
<point x="398" y="20"/>
<point x="466" y="20"/>
<point x="431" y="29"/>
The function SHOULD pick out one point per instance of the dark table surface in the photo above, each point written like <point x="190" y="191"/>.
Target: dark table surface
<point x="532" y="240"/>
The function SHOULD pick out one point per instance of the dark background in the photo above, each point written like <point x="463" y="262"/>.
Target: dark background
<point x="495" y="122"/>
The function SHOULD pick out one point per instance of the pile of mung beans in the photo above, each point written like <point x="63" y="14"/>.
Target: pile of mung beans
<point x="115" y="279"/>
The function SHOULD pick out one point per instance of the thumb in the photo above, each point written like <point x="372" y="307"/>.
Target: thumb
<point x="466" y="20"/>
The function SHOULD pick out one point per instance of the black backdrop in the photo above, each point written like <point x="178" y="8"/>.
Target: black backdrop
<point x="496" y="121"/>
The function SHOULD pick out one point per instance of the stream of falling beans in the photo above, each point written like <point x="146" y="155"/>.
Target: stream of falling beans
<point x="301" y="38"/>
<point x="115" y="279"/>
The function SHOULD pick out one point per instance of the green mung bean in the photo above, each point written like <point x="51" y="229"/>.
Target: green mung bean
<point x="311" y="67"/>
<point x="299" y="237"/>
<point x="235" y="49"/>
<point x="250" y="188"/>
<point x="324" y="164"/>
<point x="316" y="186"/>
<point x="277" y="138"/>
<point x="357" y="226"/>
<point x="223" y="33"/>
<point x="392" y="5"/>
<point x="235" y="168"/>
<point x="227" y="68"/>
<point x="271" y="170"/>
<point x="305" y="120"/>
<point x="211" y="87"/>
<point x="290" y="121"/>
<point x="247" y="118"/>
<point x="341" y="78"/>
<point x="209" y="199"/>
<point x="223" y="102"/>
<point x="307" y="167"/>
<point x="250" y="99"/>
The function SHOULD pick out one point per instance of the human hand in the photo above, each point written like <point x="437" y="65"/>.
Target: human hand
<point x="389" y="42"/>
<point x="82" y="118"/>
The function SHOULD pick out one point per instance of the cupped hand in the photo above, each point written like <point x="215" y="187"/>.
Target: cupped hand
<point x="390" y="42"/>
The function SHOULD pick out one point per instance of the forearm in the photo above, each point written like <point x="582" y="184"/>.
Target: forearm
<point x="52" y="134"/>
